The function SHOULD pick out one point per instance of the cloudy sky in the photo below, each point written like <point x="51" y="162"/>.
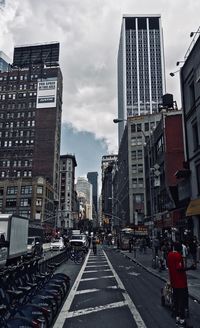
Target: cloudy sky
<point x="88" y="32"/>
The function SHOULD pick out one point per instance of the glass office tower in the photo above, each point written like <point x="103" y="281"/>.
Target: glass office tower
<point x="141" y="73"/>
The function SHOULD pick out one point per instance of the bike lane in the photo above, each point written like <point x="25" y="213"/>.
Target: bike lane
<point x="98" y="298"/>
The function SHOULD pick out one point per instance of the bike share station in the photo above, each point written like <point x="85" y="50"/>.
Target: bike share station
<point x="31" y="292"/>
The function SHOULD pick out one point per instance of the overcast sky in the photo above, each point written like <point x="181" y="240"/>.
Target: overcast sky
<point x="88" y="32"/>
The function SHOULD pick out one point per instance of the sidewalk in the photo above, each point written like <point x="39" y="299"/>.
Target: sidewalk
<point x="145" y="261"/>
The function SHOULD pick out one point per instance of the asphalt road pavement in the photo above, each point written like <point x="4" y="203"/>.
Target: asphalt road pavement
<point x="110" y="291"/>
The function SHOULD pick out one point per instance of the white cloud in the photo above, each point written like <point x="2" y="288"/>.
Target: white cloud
<point x="89" y="35"/>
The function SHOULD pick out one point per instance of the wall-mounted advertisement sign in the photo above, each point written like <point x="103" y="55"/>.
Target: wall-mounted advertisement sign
<point x="46" y="94"/>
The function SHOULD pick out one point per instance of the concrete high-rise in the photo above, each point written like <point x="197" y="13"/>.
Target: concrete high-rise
<point x="93" y="179"/>
<point x="30" y="122"/>
<point x="141" y="72"/>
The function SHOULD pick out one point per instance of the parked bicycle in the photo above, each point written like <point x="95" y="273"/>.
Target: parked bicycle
<point x="77" y="255"/>
<point x="30" y="298"/>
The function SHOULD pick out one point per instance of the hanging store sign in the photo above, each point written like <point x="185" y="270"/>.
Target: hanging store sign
<point x="46" y="94"/>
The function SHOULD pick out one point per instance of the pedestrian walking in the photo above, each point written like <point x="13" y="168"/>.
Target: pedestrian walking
<point x="94" y="245"/>
<point x="193" y="244"/>
<point x="89" y="241"/>
<point x="184" y="253"/>
<point x="130" y="244"/>
<point x="178" y="280"/>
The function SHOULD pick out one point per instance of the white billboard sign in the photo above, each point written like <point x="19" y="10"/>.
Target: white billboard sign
<point x="46" y="94"/>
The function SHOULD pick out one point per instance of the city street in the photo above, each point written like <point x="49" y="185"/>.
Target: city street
<point x="112" y="291"/>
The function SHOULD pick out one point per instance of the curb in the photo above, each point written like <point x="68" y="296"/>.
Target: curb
<point x="155" y="274"/>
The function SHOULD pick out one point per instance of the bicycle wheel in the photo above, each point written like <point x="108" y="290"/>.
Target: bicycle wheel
<point x="79" y="258"/>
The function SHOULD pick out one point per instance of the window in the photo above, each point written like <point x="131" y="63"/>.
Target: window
<point x="192" y="94"/>
<point x="12" y="190"/>
<point x="140" y="168"/>
<point x="133" y="127"/>
<point x="38" y="202"/>
<point x="139" y="127"/>
<point x="11" y="202"/>
<point x="146" y="127"/>
<point x="39" y="189"/>
<point x="134" y="183"/>
<point x="198" y="178"/>
<point x="195" y="136"/>
<point x="133" y="154"/>
<point x="139" y="198"/>
<point x="134" y="168"/>
<point x="140" y="183"/>
<point x="139" y="153"/>
<point x="24" y="202"/>
<point x="25" y="214"/>
<point x="26" y="190"/>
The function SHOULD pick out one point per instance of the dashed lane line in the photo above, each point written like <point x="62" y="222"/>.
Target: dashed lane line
<point x="64" y="313"/>
<point x="96" y="278"/>
<point x="136" y="315"/>
<point x="96" y="309"/>
<point x="95" y="271"/>
<point x="96" y="266"/>
<point x="66" y="306"/>
<point x="86" y="291"/>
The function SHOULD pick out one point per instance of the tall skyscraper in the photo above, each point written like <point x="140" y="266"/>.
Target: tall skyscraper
<point x="30" y="121"/>
<point x="141" y="73"/>
<point x="4" y="62"/>
<point x="93" y="179"/>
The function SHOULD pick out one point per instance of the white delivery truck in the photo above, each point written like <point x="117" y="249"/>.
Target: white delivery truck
<point x="14" y="231"/>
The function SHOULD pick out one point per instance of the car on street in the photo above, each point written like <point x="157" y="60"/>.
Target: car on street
<point x="80" y="241"/>
<point x="34" y="246"/>
<point x="57" y="244"/>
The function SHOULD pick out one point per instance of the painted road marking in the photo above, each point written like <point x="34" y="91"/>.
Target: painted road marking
<point x="134" y="274"/>
<point x="96" y="278"/>
<point x="96" y="309"/>
<point x="136" y="315"/>
<point x="94" y="271"/>
<point x="64" y="313"/>
<point x="66" y="306"/>
<point x="85" y="291"/>
<point x="96" y="266"/>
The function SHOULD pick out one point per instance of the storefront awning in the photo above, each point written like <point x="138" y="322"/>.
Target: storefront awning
<point x="193" y="207"/>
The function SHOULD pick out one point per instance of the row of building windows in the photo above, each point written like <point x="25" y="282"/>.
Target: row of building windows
<point x="15" y="77"/>
<point x="16" y="163"/>
<point x="17" y="124"/>
<point x="17" y="95"/>
<point x="17" y="134"/>
<point x="12" y="115"/>
<point x="23" y="202"/>
<point x="15" y="143"/>
<point x="25" y="190"/>
<point x="18" y="174"/>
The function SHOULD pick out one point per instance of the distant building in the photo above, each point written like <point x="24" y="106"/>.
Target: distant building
<point x="4" y="62"/>
<point x="67" y="191"/>
<point x="141" y="72"/>
<point x="93" y="179"/>
<point x="105" y="161"/>
<point x="84" y="189"/>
